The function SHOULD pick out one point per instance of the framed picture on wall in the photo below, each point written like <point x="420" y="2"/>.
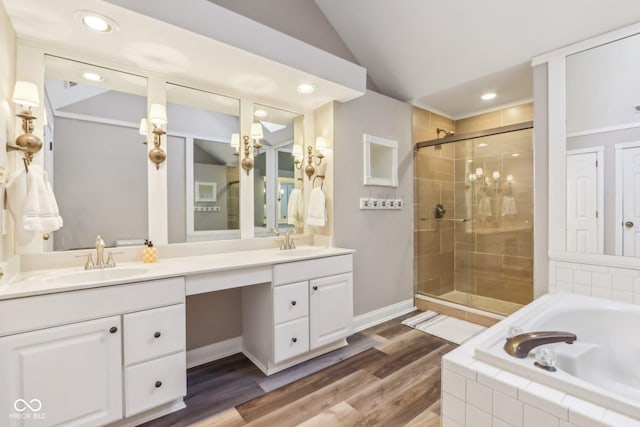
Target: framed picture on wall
<point x="206" y="191"/>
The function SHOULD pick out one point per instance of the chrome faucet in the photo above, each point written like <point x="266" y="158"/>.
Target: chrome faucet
<point x="520" y="345"/>
<point x="100" y="262"/>
<point x="99" y="252"/>
<point x="288" y="243"/>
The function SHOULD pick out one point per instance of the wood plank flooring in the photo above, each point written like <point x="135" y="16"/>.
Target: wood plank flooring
<point x="389" y="375"/>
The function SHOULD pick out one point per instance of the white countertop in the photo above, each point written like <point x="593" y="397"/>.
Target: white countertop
<point x="53" y="280"/>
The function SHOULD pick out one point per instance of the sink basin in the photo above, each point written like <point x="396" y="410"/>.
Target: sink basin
<point x="89" y="276"/>
<point x="300" y="251"/>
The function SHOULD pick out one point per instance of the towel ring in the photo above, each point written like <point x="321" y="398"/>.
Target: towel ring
<point x="313" y="183"/>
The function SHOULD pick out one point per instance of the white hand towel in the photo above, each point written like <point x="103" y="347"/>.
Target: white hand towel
<point x="484" y="208"/>
<point x="509" y="206"/>
<point x="317" y="213"/>
<point x="40" y="212"/>
<point x="294" y="211"/>
<point x="16" y="197"/>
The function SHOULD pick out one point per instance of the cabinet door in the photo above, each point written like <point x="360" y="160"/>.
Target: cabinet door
<point x="330" y="309"/>
<point x="69" y="375"/>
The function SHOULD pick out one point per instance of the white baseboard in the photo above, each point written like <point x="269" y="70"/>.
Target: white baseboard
<point x="383" y="314"/>
<point x="215" y="351"/>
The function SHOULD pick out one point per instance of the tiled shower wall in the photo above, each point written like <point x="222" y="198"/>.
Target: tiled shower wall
<point x="494" y="258"/>
<point x="433" y="183"/>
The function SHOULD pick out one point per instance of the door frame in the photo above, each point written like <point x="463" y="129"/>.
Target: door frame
<point x="620" y="147"/>
<point x="599" y="152"/>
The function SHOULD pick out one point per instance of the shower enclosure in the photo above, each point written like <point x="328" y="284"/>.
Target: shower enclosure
<point x="474" y="219"/>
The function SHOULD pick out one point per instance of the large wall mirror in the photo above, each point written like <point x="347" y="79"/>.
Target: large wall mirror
<point x="603" y="149"/>
<point x="94" y="154"/>
<point x="279" y="202"/>
<point x="203" y="174"/>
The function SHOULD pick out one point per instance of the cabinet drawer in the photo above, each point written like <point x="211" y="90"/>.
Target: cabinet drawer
<point x="153" y="333"/>
<point x="297" y="271"/>
<point x="290" y="302"/>
<point x="291" y="339"/>
<point x="154" y="383"/>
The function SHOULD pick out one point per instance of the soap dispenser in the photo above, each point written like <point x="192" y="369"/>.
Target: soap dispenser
<point x="149" y="253"/>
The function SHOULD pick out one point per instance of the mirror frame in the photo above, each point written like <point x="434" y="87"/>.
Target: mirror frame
<point x="369" y="179"/>
<point x="30" y="63"/>
<point x="557" y="150"/>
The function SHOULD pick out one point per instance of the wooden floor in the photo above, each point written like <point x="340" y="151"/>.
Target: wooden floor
<point x="393" y="379"/>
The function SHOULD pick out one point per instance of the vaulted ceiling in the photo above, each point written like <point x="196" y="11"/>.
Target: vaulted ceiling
<point x="442" y="55"/>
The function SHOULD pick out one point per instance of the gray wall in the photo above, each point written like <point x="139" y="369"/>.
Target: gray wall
<point x="383" y="240"/>
<point x="541" y="182"/>
<point x="100" y="182"/>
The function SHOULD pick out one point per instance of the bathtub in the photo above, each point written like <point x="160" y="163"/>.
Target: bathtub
<point x="602" y="366"/>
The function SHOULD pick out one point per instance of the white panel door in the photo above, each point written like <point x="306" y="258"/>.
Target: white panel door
<point x="582" y="197"/>
<point x="68" y="375"/>
<point x="330" y="309"/>
<point x="631" y="202"/>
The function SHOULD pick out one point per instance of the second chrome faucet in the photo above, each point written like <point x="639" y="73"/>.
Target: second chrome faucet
<point x="287" y="242"/>
<point x="100" y="262"/>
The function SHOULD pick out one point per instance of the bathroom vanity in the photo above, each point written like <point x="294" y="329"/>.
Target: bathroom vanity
<point x="111" y="348"/>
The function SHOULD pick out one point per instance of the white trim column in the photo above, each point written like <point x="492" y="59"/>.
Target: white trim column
<point x="158" y="213"/>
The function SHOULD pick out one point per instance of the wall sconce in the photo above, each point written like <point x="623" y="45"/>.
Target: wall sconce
<point x="144" y="129"/>
<point x="26" y="95"/>
<point x="479" y="172"/>
<point x="157" y="117"/>
<point x="509" y="179"/>
<point x="235" y="143"/>
<point x="297" y="154"/>
<point x="321" y="148"/>
<point x="256" y="135"/>
<point x="496" y="175"/>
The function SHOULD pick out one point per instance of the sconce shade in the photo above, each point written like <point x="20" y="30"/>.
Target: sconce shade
<point x="158" y="114"/>
<point x="256" y="131"/>
<point x="235" y="141"/>
<point x="496" y="175"/>
<point x="26" y="93"/>
<point x="144" y="127"/>
<point x="509" y="178"/>
<point x="296" y="152"/>
<point x="479" y="172"/>
<point x="321" y="144"/>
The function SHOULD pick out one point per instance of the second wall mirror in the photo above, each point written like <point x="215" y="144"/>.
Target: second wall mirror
<point x="203" y="174"/>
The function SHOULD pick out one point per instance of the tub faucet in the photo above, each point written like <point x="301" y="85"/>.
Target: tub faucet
<point x="520" y="345"/>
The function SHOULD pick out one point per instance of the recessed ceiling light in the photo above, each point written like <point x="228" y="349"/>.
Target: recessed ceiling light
<point x="515" y="154"/>
<point x="306" y="88"/>
<point x="260" y="113"/>
<point x="96" y="22"/>
<point x="488" y="96"/>
<point x="482" y="144"/>
<point x="93" y="77"/>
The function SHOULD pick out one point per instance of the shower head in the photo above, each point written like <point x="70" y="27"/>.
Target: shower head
<point x="446" y="132"/>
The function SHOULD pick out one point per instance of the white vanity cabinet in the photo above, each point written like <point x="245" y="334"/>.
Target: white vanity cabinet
<point x="63" y="356"/>
<point x="330" y="308"/>
<point x="70" y="373"/>
<point x="311" y="312"/>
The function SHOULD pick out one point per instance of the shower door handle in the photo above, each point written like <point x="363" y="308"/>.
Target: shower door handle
<point x="628" y="224"/>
